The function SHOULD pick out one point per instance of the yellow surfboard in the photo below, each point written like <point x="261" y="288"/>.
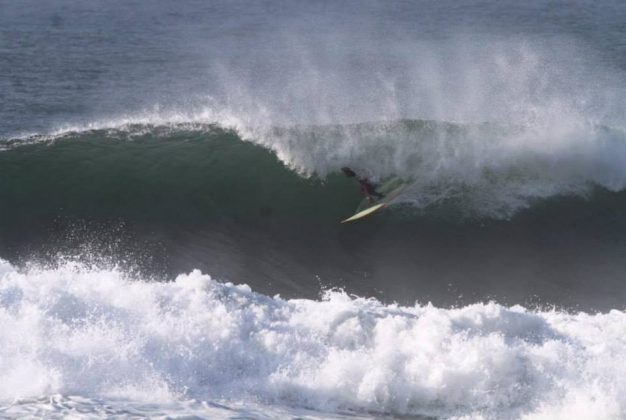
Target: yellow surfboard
<point x="381" y="204"/>
<point x="364" y="213"/>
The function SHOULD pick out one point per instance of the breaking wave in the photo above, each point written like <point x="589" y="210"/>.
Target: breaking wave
<point x="484" y="170"/>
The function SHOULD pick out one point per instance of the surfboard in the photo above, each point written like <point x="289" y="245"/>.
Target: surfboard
<point x="364" y="213"/>
<point x="391" y="189"/>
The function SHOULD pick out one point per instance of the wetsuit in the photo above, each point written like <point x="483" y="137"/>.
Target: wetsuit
<point x="369" y="190"/>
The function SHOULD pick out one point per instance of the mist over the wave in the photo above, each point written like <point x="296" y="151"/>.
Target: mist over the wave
<point x="508" y="120"/>
<point x="285" y="71"/>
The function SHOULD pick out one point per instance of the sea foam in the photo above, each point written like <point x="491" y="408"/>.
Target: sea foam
<point x="86" y="334"/>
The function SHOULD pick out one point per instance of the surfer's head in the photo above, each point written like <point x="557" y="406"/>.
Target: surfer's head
<point x="348" y="172"/>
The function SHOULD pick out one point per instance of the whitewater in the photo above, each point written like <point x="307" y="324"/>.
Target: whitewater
<point x="92" y="342"/>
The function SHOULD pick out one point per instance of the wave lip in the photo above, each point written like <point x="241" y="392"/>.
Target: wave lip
<point x="485" y="170"/>
<point x="96" y="334"/>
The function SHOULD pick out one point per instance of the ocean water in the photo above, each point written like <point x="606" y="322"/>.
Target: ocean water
<point x="170" y="198"/>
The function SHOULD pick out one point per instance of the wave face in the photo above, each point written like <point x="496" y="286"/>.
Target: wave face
<point x="171" y="198"/>
<point x="198" y="346"/>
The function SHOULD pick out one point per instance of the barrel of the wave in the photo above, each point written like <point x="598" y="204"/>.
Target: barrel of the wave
<point x="390" y="189"/>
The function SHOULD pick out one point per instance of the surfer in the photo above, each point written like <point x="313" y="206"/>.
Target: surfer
<point x="367" y="188"/>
